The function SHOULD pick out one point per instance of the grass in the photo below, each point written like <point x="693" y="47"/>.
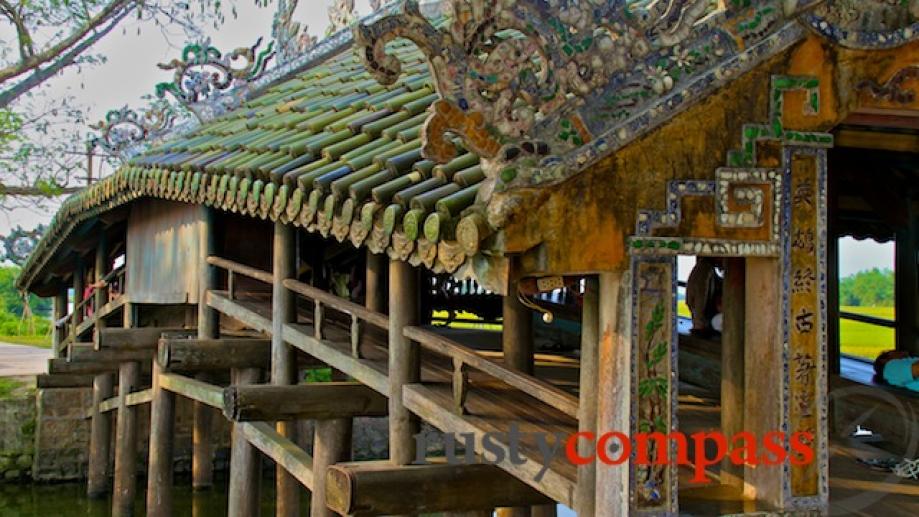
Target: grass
<point x="857" y="339"/>
<point x="10" y="387"/>
<point x="37" y="341"/>
<point x="864" y="340"/>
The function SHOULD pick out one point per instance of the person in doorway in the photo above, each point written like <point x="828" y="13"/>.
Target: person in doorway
<point x="897" y="368"/>
<point x="703" y="290"/>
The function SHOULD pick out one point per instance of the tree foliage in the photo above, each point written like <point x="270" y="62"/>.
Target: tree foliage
<point x="39" y="149"/>
<point x="12" y="306"/>
<point x="869" y="288"/>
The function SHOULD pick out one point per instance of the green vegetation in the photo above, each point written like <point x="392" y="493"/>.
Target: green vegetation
<point x="869" y="288"/>
<point x="14" y="328"/>
<point x="10" y="387"/>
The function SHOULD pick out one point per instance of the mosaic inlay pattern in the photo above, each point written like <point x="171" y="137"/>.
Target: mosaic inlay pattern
<point x="541" y="89"/>
<point x="209" y="82"/>
<point x="125" y="133"/>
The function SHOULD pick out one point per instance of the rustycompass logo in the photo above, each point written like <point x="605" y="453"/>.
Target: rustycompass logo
<point x="616" y="448"/>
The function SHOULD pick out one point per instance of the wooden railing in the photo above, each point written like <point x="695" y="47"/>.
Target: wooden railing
<point x="465" y="358"/>
<point x="235" y="268"/>
<point x="358" y="313"/>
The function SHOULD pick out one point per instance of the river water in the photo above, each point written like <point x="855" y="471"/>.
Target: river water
<point x="51" y="500"/>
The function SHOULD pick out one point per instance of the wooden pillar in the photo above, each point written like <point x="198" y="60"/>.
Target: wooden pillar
<point x="517" y="331"/>
<point x="78" y="286"/>
<point x="375" y="287"/>
<point x="615" y="375"/>
<point x="100" y="436"/>
<point x="283" y="360"/>
<point x="588" y="389"/>
<point x="159" y="474"/>
<point x="101" y="269"/>
<point x="907" y="280"/>
<point x="202" y="460"/>
<point x="245" y="462"/>
<point x="126" y="442"/>
<point x="404" y="360"/>
<point x="59" y="311"/>
<point x="331" y="444"/>
<point x="763" y="364"/>
<point x="832" y="280"/>
<point x="732" y="361"/>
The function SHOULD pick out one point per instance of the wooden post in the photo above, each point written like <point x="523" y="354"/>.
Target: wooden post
<point x="517" y="332"/>
<point x="245" y="462"/>
<point x="907" y="280"/>
<point x="332" y="444"/>
<point x="101" y="269"/>
<point x="59" y="312"/>
<point x="763" y="392"/>
<point x="517" y="344"/>
<point x="202" y="460"/>
<point x="732" y="361"/>
<point x="833" y="353"/>
<point x="615" y="376"/>
<point x="588" y="392"/>
<point x="100" y="436"/>
<point x="404" y="360"/>
<point x="159" y="475"/>
<point x="126" y="442"/>
<point x="283" y="360"/>
<point x="375" y="287"/>
<point x="78" y="286"/>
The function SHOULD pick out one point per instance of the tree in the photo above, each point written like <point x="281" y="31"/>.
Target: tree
<point x="869" y="288"/>
<point x="43" y="38"/>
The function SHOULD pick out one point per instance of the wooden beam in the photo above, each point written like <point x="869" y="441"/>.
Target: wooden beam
<point x="87" y="354"/>
<point x="133" y="399"/>
<point x="375" y="284"/>
<point x="380" y="488"/>
<point x="878" y="140"/>
<point x="55" y="381"/>
<point x="202" y="461"/>
<point x="60" y="365"/>
<point x="319" y="401"/>
<point x="236" y="311"/>
<point x="213" y="354"/>
<point x="59" y="311"/>
<point x="137" y="338"/>
<point x="284" y="452"/>
<point x="365" y="371"/>
<point x="192" y="388"/>
<point x="517" y="333"/>
<point x="331" y="444"/>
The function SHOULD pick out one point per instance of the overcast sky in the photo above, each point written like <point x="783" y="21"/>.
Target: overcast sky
<point x="131" y="72"/>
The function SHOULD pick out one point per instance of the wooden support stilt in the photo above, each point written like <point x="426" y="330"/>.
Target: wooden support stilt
<point x="245" y="462"/>
<point x="202" y="460"/>
<point x="59" y="311"/>
<point x="125" y="487"/>
<point x="321" y="401"/>
<point x="159" y="474"/>
<point x="100" y="439"/>
<point x="283" y="358"/>
<point x="404" y="360"/>
<point x="588" y="390"/>
<point x="732" y="362"/>
<point x="614" y="400"/>
<point x="380" y="488"/>
<point x="78" y="286"/>
<point x="331" y="445"/>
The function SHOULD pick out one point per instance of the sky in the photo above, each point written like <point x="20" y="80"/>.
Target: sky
<point x="130" y="73"/>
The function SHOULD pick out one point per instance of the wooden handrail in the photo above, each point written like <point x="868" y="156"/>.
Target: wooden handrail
<point x="241" y="269"/>
<point x="340" y="304"/>
<point x="871" y="320"/>
<point x="464" y="356"/>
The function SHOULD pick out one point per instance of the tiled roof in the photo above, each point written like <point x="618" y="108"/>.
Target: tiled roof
<point x="330" y="150"/>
